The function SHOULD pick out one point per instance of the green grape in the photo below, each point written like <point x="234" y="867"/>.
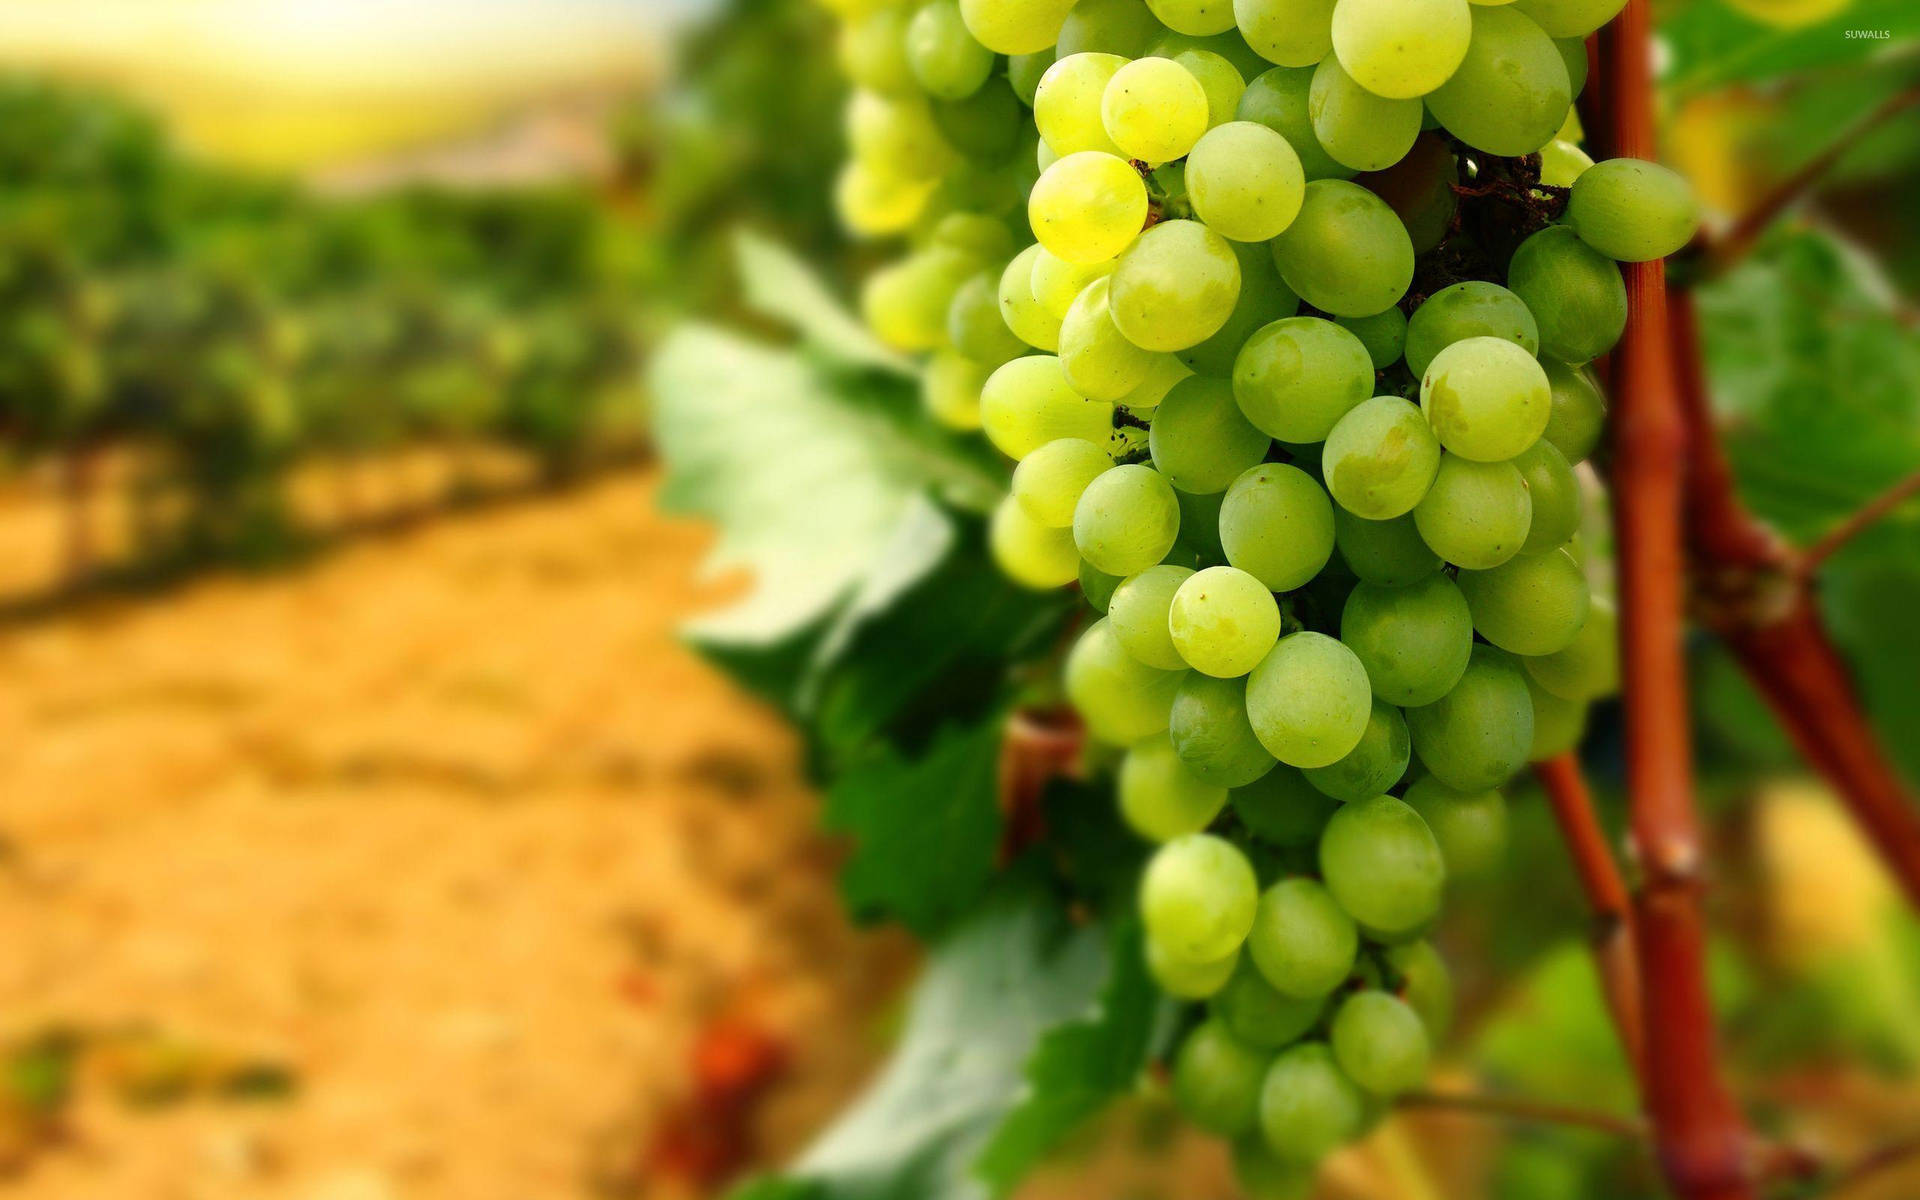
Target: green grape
<point x="1562" y="162"/>
<point x="1468" y="310"/>
<point x="1587" y="668"/>
<point x="1217" y="1078"/>
<point x="1198" y="897"/>
<point x="1195" y="18"/>
<point x="1031" y="554"/>
<point x="1283" y="808"/>
<point x="1021" y="310"/>
<point x="1575" y="292"/>
<point x="1376" y="764"/>
<point x="1219" y="79"/>
<point x="1347" y="252"/>
<point x="1088" y="207"/>
<point x="1100" y="362"/>
<point x="1120" y="698"/>
<point x="1159" y="798"/>
<point x="1633" y="211"/>
<point x="1579" y="414"/>
<point x="1380" y="1041"/>
<point x="875" y="203"/>
<point x="906" y="303"/>
<point x="1245" y="181"/>
<point x="951" y="390"/>
<point x="986" y="238"/>
<point x="1263" y="1175"/>
<point x="1066" y="107"/>
<point x="1139" y="610"/>
<point x="1024" y="72"/>
<point x="1558" y="725"/>
<point x="1302" y="942"/>
<point x="873" y="52"/>
<point x="1200" y="524"/>
<point x="1380" y="459"/>
<point x="1471" y="827"/>
<point x="1097" y="586"/>
<point x="1573" y="52"/>
<point x="975" y="327"/>
<point x="1291" y="33"/>
<point x="1308" y="1106"/>
<point x="1028" y="402"/>
<point x="1048" y="482"/>
<point x="1278" y="100"/>
<point x="1224" y="621"/>
<point x="1175" y="286"/>
<point x="1381" y="862"/>
<point x="1057" y="283"/>
<point x="1511" y="92"/>
<point x="1199" y="440"/>
<point x="1154" y="110"/>
<point x="1384" y="334"/>
<point x="1263" y="300"/>
<point x="1121" y="27"/>
<point x="896" y="134"/>
<point x="1389" y="553"/>
<point x="1401" y="49"/>
<point x="1486" y="398"/>
<point x="1127" y="520"/>
<point x="1166" y="371"/>
<point x="1276" y="524"/>
<point x="1189" y="981"/>
<point x="1296" y="378"/>
<point x="1016" y="26"/>
<point x="1211" y="734"/>
<point x="1532" y="605"/>
<point x="1361" y="130"/>
<point x="943" y="56"/>
<point x="1309" y="700"/>
<point x="1419" y="190"/>
<point x="1425" y="983"/>
<point x="1414" y="641"/>
<point x="1554" y="493"/>
<point x="1259" y="1016"/>
<point x="1571" y="18"/>
<point x="1477" y="735"/>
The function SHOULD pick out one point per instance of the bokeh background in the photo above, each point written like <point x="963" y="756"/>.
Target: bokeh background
<point x="368" y="833"/>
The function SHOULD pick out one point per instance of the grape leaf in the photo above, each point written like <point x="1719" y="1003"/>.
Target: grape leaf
<point x="1708" y="44"/>
<point x="779" y="285"/>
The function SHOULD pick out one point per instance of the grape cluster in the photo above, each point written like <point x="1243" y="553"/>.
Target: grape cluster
<point x="1295" y="369"/>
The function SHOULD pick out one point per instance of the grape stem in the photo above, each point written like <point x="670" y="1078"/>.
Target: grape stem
<point x="1611" y="938"/>
<point x="1522" y="1109"/>
<point x="1868" y="515"/>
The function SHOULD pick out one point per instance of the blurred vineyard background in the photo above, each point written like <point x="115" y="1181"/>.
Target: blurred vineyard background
<point x="366" y="831"/>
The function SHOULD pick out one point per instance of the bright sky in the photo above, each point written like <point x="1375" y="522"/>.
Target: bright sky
<point x="291" y="82"/>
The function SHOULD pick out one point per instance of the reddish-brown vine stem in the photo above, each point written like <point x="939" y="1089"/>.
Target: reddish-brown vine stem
<point x="1520" y="1109"/>
<point x="1612" y="937"/>
<point x="1698" y="1131"/>
<point x="1868" y="515"/>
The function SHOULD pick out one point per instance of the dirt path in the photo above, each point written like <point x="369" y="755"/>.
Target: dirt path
<point x="448" y="827"/>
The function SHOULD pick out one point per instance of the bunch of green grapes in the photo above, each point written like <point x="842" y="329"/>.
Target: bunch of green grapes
<point x="1308" y="443"/>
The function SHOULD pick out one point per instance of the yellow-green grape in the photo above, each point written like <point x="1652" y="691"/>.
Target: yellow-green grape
<point x="875" y="203"/>
<point x="1347" y="253"/>
<point x="1263" y="300"/>
<point x="1199" y="439"/>
<point x="1301" y="943"/>
<point x="1573" y="291"/>
<point x="974" y="324"/>
<point x="1309" y="701"/>
<point x="1048" y="482"/>
<point x="1559" y="725"/>
<point x="1166" y="371"/>
<point x="1380" y="459"/>
<point x="1127" y="520"/>
<point x="1122" y="27"/>
<point x="1476" y="515"/>
<point x="1471" y="826"/>
<point x="1196" y="18"/>
<point x="1159" y="798"/>
<point x="896" y="134"/>
<point x="873" y="51"/>
<point x="1474" y="308"/>
<point x="1197" y="897"/>
<point x="850" y="10"/>
<point x="984" y="126"/>
<point x="1230" y="46"/>
<point x="1379" y="1041"/>
<point x="1425" y="983"/>
<point x="944" y="57"/>
<point x="1579" y="416"/>
<point x="906" y="303"/>
<point x="1175" y="286"/>
<point x="1295" y="378"/>
<point x="1028" y="402"/>
<point x="1401" y="49"/>
<point x="1554" y="491"/>
<point x="1588" y="668"/>
<point x="1281" y="807"/>
<point x="1292" y="33"/>
<point x="1031" y="554"/>
<point x="1562" y="162"/>
<point x="1511" y="92"/>
<point x="1100" y="362"/>
<point x="1414" y="640"/>
<point x="1383" y="865"/>
<point x="1571" y="18"/>
<point x="1533" y="604"/>
<point x="1057" y="283"/>
<point x="986" y="238"/>
<point x="1024" y="72"/>
<point x="1384" y="334"/>
<point x="1220" y="79"/>
<point x="1258" y="1013"/>
<point x="1245" y="181"/>
<point x="1477" y="735"/>
<point x="1138" y="612"/>
<point x="1066" y="106"/>
<point x="1308" y="1106"/>
<point x="1573" y="52"/>
<point x="1154" y="110"/>
<point x="1633" y="211"/>
<point x="1021" y="309"/>
<point x="1088" y="207"/>
<point x="1359" y="129"/>
<point x="1015" y="26"/>
<point x="1223" y="622"/>
<point x="1189" y="980"/>
<point x="1486" y="398"/>
<point x="1278" y="99"/>
<point x="1276" y="524"/>
<point x="1211" y="733"/>
<point x="951" y="389"/>
<point x="1389" y="553"/>
<point x="1119" y="697"/>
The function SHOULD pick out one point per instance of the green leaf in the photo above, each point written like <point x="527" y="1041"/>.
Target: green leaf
<point x="926" y="831"/>
<point x="781" y="286"/>
<point x="1710" y="45"/>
